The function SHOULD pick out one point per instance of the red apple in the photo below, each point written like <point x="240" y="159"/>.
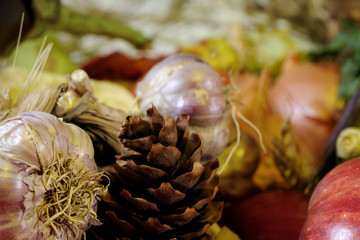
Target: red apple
<point x="275" y="215"/>
<point x="334" y="207"/>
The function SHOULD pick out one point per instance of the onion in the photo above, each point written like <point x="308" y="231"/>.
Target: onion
<point x="305" y="97"/>
<point x="183" y="83"/>
<point x="295" y="114"/>
<point x="307" y="94"/>
<point x="48" y="178"/>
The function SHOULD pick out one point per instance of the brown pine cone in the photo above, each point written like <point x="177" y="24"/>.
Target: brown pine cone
<point x="160" y="190"/>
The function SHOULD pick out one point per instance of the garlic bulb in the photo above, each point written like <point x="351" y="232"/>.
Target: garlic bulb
<point x="48" y="178"/>
<point x="183" y="83"/>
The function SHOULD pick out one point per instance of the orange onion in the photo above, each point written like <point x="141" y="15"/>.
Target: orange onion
<point x="306" y="94"/>
<point x="295" y="113"/>
<point x="305" y="97"/>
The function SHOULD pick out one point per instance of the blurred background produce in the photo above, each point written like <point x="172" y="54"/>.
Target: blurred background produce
<point x="264" y="215"/>
<point x="289" y="73"/>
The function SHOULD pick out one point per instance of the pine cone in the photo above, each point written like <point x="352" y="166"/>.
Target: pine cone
<point x="160" y="189"/>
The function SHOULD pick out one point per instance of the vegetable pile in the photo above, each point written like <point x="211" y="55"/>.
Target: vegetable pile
<point x="221" y="139"/>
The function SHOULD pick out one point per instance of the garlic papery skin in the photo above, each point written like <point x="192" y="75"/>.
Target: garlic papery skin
<point x="183" y="83"/>
<point x="48" y="178"/>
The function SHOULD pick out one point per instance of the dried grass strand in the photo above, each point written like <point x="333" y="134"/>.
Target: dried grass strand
<point x="36" y="70"/>
<point x="16" y="49"/>
<point x="238" y="134"/>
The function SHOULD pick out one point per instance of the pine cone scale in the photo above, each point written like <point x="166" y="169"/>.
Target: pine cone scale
<point x="182" y="125"/>
<point x="168" y="135"/>
<point x="166" y="194"/>
<point x="189" y="179"/>
<point x="163" y="157"/>
<point x="196" y="233"/>
<point x="150" y="173"/>
<point x="156" y="120"/>
<point x="192" y="152"/>
<point x="153" y="226"/>
<point x="121" y="167"/>
<point x="139" y="203"/>
<point x="181" y="219"/>
<point x="121" y="224"/>
<point x="142" y="145"/>
<point x="208" y="176"/>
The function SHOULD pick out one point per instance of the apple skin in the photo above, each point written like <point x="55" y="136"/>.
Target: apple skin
<point x="334" y="207"/>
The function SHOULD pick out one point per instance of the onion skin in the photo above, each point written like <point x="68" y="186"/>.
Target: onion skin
<point x="274" y="215"/>
<point x="305" y="97"/>
<point x="306" y="93"/>
<point x="334" y="207"/>
<point x="27" y="148"/>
